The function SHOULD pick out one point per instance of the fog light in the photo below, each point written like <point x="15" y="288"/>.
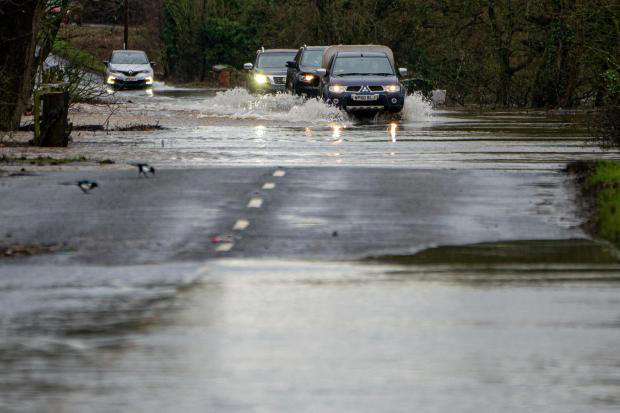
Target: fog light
<point x="394" y="100"/>
<point x="148" y="80"/>
<point x="336" y="101"/>
<point x="111" y="80"/>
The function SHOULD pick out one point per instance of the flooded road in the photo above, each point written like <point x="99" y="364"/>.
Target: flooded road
<point x="431" y="263"/>
<point x="223" y="128"/>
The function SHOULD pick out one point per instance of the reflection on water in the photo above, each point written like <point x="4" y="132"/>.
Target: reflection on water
<point x="393" y="128"/>
<point x="259" y="131"/>
<point x="419" y="334"/>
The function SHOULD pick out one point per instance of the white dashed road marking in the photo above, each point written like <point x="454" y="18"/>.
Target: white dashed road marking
<point x="269" y="185"/>
<point x="225" y="247"/>
<point x="279" y="173"/>
<point x="255" y="203"/>
<point x="241" y="225"/>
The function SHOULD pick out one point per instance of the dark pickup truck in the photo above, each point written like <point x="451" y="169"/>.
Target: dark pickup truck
<point x="362" y="79"/>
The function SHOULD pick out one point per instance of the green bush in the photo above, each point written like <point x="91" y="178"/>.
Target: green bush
<point x="77" y="57"/>
<point x="228" y="42"/>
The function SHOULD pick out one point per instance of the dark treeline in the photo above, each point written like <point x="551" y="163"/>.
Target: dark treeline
<point x="543" y="53"/>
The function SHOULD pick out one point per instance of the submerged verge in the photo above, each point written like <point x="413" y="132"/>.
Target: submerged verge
<point x="600" y="189"/>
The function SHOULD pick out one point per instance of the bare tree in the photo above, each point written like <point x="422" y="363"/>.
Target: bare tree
<point x="18" y="33"/>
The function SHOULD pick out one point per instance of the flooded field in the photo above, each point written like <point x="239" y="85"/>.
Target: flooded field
<point x="524" y="324"/>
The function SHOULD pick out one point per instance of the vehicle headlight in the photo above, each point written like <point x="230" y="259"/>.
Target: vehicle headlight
<point x="337" y="89"/>
<point x="111" y="80"/>
<point x="148" y="80"/>
<point x="308" y="77"/>
<point x="260" y="79"/>
<point x="392" y="88"/>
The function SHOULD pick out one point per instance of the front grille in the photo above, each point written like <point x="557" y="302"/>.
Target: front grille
<point x="279" y="80"/>
<point x="376" y="88"/>
<point x="353" y="88"/>
<point x="362" y="108"/>
<point x="131" y="73"/>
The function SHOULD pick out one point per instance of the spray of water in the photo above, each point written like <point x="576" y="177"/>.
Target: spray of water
<point x="238" y="103"/>
<point x="417" y="108"/>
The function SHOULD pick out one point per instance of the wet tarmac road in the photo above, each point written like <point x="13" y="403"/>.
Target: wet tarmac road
<point x="305" y="302"/>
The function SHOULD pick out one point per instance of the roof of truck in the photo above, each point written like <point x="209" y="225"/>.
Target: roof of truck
<point x="359" y="48"/>
<point x="277" y="51"/>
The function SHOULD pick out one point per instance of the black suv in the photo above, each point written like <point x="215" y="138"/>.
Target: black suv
<point x="362" y="79"/>
<point x="301" y="76"/>
<point x="268" y="73"/>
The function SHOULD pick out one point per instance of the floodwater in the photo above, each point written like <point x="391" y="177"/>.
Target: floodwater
<point x="224" y="128"/>
<point x="507" y="327"/>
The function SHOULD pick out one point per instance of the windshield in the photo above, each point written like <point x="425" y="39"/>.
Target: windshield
<point x="312" y="58"/>
<point x="123" y="58"/>
<point x="274" y="60"/>
<point x="358" y="65"/>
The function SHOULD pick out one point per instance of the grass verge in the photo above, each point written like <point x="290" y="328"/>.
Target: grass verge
<point x="40" y="160"/>
<point x="78" y="57"/>
<point x="600" y="184"/>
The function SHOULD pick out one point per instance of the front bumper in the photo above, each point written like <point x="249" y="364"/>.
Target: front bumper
<point x="389" y="102"/>
<point x="121" y="82"/>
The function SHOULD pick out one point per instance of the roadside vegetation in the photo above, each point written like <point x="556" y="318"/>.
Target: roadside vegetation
<point x="600" y="183"/>
<point x="41" y="160"/>
<point x="78" y="56"/>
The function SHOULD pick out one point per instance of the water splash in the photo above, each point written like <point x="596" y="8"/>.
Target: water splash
<point x="238" y="103"/>
<point x="417" y="108"/>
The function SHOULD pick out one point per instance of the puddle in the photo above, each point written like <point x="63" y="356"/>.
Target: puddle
<point x="563" y="252"/>
<point x="280" y="336"/>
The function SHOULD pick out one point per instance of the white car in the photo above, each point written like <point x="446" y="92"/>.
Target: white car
<point x="129" y="69"/>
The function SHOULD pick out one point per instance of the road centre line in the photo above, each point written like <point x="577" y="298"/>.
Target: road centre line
<point x="241" y="225"/>
<point x="255" y="203"/>
<point x="225" y="247"/>
<point x="269" y="185"/>
<point x="279" y="173"/>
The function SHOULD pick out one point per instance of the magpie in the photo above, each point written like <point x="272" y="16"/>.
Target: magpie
<point x="144" y="169"/>
<point x="85" y="185"/>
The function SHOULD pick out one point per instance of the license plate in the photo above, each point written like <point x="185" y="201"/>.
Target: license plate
<point x="365" y="98"/>
<point x="131" y="79"/>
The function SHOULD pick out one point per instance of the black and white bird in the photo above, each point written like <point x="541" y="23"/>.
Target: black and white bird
<point x="144" y="169"/>
<point x="87" y="186"/>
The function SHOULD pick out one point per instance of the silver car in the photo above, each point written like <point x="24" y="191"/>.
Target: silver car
<point x="268" y="73"/>
<point x="129" y="69"/>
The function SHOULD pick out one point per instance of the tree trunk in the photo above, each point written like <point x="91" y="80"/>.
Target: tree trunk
<point x="18" y="32"/>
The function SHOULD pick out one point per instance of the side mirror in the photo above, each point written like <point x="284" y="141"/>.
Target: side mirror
<point x="402" y="71"/>
<point x="153" y="63"/>
<point x="248" y="66"/>
<point x="321" y="72"/>
<point x="292" y="64"/>
<point x="106" y="62"/>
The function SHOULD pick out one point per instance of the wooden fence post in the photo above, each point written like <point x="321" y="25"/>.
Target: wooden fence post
<point x="55" y="129"/>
